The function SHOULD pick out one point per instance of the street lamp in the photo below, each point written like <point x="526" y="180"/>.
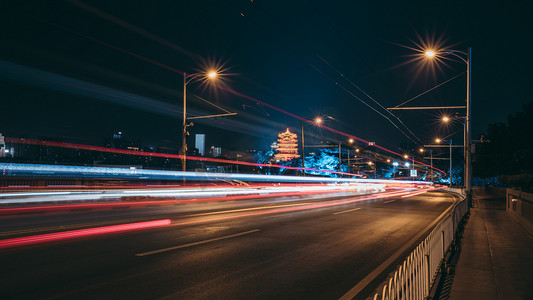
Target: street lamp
<point x="186" y="80"/>
<point x="394" y="165"/>
<point x="350" y="141"/>
<point x="467" y="138"/>
<point x="317" y="121"/>
<point x="438" y="142"/>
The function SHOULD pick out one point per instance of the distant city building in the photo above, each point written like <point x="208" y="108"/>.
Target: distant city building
<point x="200" y="143"/>
<point x="3" y="150"/>
<point x="216" y="151"/>
<point x="287" y="146"/>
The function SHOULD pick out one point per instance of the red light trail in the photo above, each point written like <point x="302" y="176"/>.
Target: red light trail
<point x="58" y="236"/>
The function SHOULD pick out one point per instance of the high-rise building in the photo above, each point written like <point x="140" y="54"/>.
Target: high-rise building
<point x="200" y="144"/>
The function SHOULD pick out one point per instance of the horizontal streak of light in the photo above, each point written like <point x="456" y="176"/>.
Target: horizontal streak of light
<point x="12" y="169"/>
<point x="29" y="240"/>
<point x="292" y="208"/>
<point x="342" y="212"/>
<point x="209" y="193"/>
<point x="165" y="155"/>
<point x="57" y="236"/>
<point x="21" y="210"/>
<point x="197" y="243"/>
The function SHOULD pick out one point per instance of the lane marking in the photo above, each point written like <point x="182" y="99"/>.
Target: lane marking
<point x="197" y="243"/>
<point x="370" y="277"/>
<point x="341" y="212"/>
<point x="415" y="194"/>
<point x="389" y="201"/>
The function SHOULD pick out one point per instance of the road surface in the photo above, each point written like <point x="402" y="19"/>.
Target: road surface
<point x="274" y="248"/>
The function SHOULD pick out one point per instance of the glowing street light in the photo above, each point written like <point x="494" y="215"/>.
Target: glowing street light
<point x="430" y="53"/>
<point x="466" y="57"/>
<point x="350" y="141"/>
<point x="406" y="156"/>
<point x="421" y="150"/>
<point x="186" y="80"/>
<point x="445" y="119"/>
<point x="437" y="140"/>
<point x="318" y="120"/>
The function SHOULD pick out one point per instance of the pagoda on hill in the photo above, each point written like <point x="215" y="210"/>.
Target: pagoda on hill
<point x="287" y="146"/>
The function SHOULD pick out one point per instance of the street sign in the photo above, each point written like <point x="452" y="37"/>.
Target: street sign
<point x="413" y="173"/>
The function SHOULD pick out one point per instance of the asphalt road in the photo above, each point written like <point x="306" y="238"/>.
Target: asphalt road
<point x="264" y="249"/>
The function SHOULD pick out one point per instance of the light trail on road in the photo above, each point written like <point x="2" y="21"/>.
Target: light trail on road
<point x="193" y="219"/>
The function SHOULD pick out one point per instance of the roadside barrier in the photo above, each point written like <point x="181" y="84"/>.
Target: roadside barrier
<point x="415" y="277"/>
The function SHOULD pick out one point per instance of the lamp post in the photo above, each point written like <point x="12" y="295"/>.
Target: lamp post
<point x="303" y="150"/>
<point x="394" y="165"/>
<point x="186" y="80"/>
<point x="467" y="138"/>
<point x="350" y="141"/>
<point x="438" y="142"/>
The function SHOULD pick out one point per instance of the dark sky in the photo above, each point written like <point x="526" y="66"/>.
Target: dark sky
<point x="82" y="70"/>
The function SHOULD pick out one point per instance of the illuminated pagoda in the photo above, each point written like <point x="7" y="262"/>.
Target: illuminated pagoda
<point x="287" y="146"/>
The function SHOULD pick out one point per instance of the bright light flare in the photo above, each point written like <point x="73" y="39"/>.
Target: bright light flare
<point x="438" y="140"/>
<point x="318" y="120"/>
<point x="212" y="74"/>
<point x="445" y="119"/>
<point x="430" y="53"/>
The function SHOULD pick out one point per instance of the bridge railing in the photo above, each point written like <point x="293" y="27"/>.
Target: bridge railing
<point x="416" y="275"/>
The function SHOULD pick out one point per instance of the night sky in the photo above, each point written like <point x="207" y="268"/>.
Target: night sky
<point x="83" y="70"/>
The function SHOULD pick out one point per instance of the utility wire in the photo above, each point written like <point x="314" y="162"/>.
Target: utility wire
<point x="417" y="96"/>
<point x="316" y="68"/>
<point x="226" y="111"/>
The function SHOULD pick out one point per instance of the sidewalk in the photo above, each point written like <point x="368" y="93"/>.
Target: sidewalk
<point x="496" y="258"/>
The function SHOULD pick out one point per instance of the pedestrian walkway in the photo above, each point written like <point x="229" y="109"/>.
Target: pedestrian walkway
<point x="496" y="257"/>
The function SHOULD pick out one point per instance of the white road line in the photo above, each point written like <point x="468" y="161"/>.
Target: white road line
<point x="197" y="243"/>
<point x="341" y="212"/>
<point x="389" y="201"/>
<point x="415" y="194"/>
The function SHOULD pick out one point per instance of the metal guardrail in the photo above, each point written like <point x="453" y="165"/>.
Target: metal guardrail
<point x="415" y="277"/>
<point x="519" y="206"/>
